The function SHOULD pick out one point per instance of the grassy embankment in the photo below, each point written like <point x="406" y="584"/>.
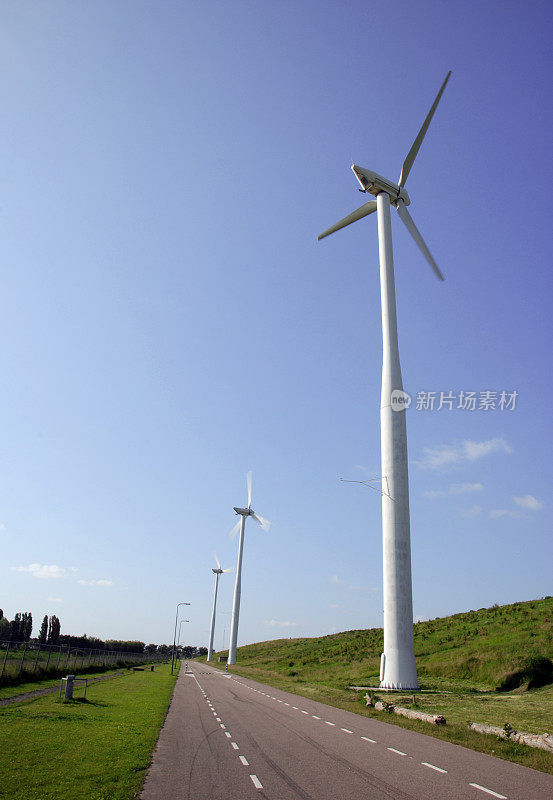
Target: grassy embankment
<point x="460" y="659"/>
<point x="98" y="749"/>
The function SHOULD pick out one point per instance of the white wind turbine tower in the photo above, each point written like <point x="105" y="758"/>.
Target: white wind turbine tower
<point x="241" y="524"/>
<point x="218" y="572"/>
<point x="397" y="665"/>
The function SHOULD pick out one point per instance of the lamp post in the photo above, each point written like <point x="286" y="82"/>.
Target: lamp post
<point x="178" y="637"/>
<point x="175" y="635"/>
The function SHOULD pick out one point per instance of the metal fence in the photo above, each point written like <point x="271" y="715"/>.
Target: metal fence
<point x="26" y="658"/>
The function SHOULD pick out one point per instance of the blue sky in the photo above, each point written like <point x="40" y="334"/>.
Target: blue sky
<point x="169" y="321"/>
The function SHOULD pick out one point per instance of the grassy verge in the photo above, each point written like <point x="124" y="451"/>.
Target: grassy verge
<point x="98" y="749"/>
<point x="47" y="683"/>
<point x="528" y="711"/>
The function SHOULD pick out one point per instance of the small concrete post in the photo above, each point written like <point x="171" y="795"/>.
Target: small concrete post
<point x="69" y="687"/>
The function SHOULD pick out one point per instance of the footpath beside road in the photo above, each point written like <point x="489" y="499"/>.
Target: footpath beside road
<point x="18" y="698"/>
<point x="232" y="738"/>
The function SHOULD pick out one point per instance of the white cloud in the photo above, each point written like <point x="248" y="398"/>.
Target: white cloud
<point x="2" y="527"/>
<point x="473" y="511"/>
<point x="455" y="488"/>
<point x="334" y="605"/>
<point x="465" y="488"/>
<point x="528" y="501"/>
<point x="504" y="512"/>
<point x="55" y="600"/>
<point x="274" y="623"/>
<point x="448" y="454"/>
<point x="101" y="582"/>
<point x="334" y="579"/>
<point x="43" y="570"/>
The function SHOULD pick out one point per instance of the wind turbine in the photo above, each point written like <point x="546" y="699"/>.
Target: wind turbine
<point x="241" y="524"/>
<point x="397" y="663"/>
<point x="218" y="572"/>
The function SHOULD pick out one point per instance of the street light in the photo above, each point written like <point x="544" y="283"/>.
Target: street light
<point x="178" y="637"/>
<point x="175" y="635"/>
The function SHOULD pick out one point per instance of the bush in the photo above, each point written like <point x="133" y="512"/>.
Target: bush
<point x="536" y="672"/>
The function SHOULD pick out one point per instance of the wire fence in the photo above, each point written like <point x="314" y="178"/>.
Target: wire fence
<point x="21" y="659"/>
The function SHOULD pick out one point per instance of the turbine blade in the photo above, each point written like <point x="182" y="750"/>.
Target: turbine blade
<point x="412" y="154"/>
<point x="217" y="560"/>
<point x="265" y="524"/>
<point x="413" y="230"/>
<point x="228" y="570"/>
<point x="235" y="530"/>
<point x="249" y="482"/>
<point x="361" y="212"/>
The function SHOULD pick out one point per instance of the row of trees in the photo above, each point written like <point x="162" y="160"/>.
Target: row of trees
<point x="20" y="629"/>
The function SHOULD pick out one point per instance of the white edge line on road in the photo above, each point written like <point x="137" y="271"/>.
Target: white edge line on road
<point x="489" y="791"/>
<point x="433" y="766"/>
<point x="399" y="752"/>
<point x="256" y="782"/>
<point x="235" y="746"/>
<point x="346" y="730"/>
<point x="244" y="762"/>
<point x="228" y="735"/>
<point x="366" y="738"/>
<point x="329" y="723"/>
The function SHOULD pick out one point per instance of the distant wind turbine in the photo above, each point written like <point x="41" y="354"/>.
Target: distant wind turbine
<point x="397" y="664"/>
<point x="241" y="524"/>
<point x="218" y="572"/>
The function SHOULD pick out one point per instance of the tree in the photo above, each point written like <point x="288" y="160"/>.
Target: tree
<point x="27" y="625"/>
<point x="54" y="630"/>
<point x="151" y="648"/>
<point x="43" y="635"/>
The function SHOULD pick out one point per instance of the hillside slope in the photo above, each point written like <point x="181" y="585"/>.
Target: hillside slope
<point x="476" y="647"/>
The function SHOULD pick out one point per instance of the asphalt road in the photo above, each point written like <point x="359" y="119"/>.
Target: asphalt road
<point x="231" y="738"/>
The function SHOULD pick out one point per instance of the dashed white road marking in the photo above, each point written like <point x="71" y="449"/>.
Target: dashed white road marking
<point x="329" y="723"/>
<point x="393" y="749"/>
<point x="346" y="730"/>
<point x="295" y="708"/>
<point x="287" y="704"/>
<point x="488" y="791"/>
<point x="244" y="762"/>
<point x="223" y="726"/>
<point x="235" y="746"/>
<point x="433" y="766"/>
<point x="256" y="782"/>
<point x="366" y="738"/>
<point x="315" y="716"/>
<point x="304" y="712"/>
<point x="227" y="734"/>
<point x="218" y="719"/>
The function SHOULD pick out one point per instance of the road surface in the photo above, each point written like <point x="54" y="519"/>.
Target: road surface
<point x="231" y="738"/>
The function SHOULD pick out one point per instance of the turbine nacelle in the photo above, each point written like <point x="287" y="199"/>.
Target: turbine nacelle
<point x="244" y="512"/>
<point x="374" y="183"/>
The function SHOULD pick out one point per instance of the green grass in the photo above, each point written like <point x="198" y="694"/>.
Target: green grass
<point x="98" y="749"/>
<point x="460" y="660"/>
<point x="46" y="683"/>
